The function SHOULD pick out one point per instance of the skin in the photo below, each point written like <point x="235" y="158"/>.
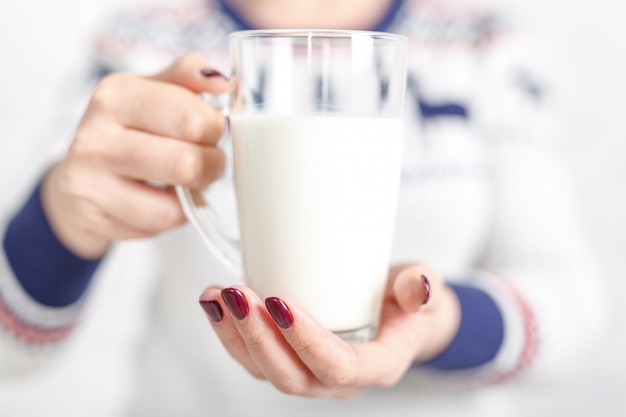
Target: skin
<point x="323" y="14"/>
<point x="140" y="130"/>
<point x="135" y="130"/>
<point x="307" y="360"/>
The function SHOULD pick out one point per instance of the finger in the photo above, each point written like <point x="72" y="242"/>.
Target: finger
<point x="94" y="221"/>
<point x="265" y="344"/>
<point x="333" y="361"/>
<point x="136" y="205"/>
<point x="145" y="208"/>
<point x="423" y="316"/>
<point x="148" y="157"/>
<point x="344" y="367"/>
<point x="157" y="107"/>
<point x="194" y="72"/>
<point x="411" y="288"/>
<point x="171" y="162"/>
<point x="224" y="326"/>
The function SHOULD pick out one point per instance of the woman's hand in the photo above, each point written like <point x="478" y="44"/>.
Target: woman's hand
<point x="277" y="341"/>
<point x="136" y="131"/>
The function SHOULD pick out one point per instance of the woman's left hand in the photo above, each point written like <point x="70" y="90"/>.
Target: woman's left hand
<point x="277" y="341"/>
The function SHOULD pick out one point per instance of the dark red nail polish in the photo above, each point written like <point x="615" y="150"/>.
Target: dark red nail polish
<point x="209" y="73"/>
<point x="213" y="309"/>
<point x="279" y="311"/>
<point x="236" y="303"/>
<point x="426" y="284"/>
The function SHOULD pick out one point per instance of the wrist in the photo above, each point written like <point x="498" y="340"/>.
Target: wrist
<point x="57" y="206"/>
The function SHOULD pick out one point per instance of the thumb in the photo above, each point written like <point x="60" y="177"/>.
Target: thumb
<point x="411" y="288"/>
<point x="194" y="72"/>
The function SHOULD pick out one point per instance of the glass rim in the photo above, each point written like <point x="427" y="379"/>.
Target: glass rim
<point x="315" y="33"/>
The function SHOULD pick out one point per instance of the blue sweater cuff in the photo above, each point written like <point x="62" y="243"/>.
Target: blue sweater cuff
<point x="480" y="334"/>
<point x="48" y="272"/>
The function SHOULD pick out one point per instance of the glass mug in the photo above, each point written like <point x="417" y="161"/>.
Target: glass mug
<point x="316" y="129"/>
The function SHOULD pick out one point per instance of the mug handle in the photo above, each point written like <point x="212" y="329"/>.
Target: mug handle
<point x="203" y="216"/>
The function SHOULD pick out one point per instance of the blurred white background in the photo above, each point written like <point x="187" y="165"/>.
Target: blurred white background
<point x="42" y="40"/>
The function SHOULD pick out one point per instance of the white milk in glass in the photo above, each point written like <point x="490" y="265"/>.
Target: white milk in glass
<point x="317" y="203"/>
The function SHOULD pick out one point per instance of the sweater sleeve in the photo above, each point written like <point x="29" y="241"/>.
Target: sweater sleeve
<point x="480" y="334"/>
<point x="41" y="288"/>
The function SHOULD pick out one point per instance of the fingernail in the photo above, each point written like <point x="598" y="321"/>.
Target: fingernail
<point x="426" y="284"/>
<point x="213" y="309"/>
<point x="210" y="73"/>
<point x="279" y="311"/>
<point x="236" y="303"/>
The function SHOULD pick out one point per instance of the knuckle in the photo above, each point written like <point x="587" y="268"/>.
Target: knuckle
<point x="197" y="167"/>
<point x="188" y="63"/>
<point x="180" y="62"/>
<point x="255" y="342"/>
<point x="92" y="145"/>
<point x="186" y="168"/>
<point x="105" y="92"/>
<point x="71" y="182"/>
<point x="188" y="60"/>
<point x="193" y="125"/>
<point x="82" y="145"/>
<point x="95" y="139"/>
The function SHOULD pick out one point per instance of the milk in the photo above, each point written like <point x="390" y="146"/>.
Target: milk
<point x="317" y="200"/>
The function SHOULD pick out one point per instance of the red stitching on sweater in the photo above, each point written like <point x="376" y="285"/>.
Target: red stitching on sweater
<point x="28" y="333"/>
<point x="531" y="333"/>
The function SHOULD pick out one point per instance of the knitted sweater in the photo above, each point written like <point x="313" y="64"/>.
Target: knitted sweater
<point x="484" y="198"/>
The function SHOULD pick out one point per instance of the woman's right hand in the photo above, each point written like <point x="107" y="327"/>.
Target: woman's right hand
<point x="136" y="132"/>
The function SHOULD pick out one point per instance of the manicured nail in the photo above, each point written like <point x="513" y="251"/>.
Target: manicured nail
<point x="236" y="303"/>
<point x="279" y="311"/>
<point x="426" y="284"/>
<point x="210" y="73"/>
<point x="213" y="309"/>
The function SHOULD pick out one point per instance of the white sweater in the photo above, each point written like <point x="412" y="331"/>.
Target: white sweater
<point x="484" y="198"/>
